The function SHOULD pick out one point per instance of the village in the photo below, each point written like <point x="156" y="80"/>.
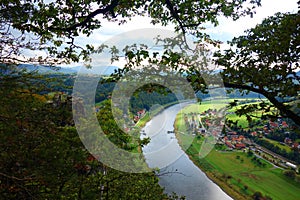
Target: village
<point x="238" y="139"/>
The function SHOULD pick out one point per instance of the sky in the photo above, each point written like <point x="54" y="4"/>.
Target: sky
<point x="225" y="31"/>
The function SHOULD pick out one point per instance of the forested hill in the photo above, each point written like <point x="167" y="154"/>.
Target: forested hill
<point x="64" y="70"/>
<point x="140" y="100"/>
<point x="63" y="80"/>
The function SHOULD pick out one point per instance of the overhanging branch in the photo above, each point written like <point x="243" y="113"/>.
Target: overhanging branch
<point x="110" y="8"/>
<point x="279" y="105"/>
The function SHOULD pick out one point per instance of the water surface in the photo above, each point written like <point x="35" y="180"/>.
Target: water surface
<point x="180" y="174"/>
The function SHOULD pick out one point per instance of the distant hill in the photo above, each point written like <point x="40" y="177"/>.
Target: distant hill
<point x="67" y="70"/>
<point x="98" y="70"/>
<point x="48" y="70"/>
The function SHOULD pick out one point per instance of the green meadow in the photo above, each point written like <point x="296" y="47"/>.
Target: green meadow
<point x="218" y="104"/>
<point x="236" y="172"/>
<point x="246" y="177"/>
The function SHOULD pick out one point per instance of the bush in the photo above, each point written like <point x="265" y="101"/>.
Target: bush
<point x="257" y="196"/>
<point x="290" y="173"/>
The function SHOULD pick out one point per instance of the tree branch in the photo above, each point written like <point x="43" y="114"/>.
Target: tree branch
<point x="89" y="17"/>
<point x="279" y="105"/>
<point x="15" y="178"/>
<point x="175" y="15"/>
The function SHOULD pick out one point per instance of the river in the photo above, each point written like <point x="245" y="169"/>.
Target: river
<point x="179" y="174"/>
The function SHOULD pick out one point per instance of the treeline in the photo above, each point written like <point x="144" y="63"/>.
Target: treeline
<point x="293" y="155"/>
<point x="142" y="99"/>
<point x="280" y="135"/>
<point x="233" y="94"/>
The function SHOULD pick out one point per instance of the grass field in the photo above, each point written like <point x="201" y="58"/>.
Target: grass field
<point x="268" y="180"/>
<point x="205" y="105"/>
<point x="234" y="171"/>
<point x="218" y="104"/>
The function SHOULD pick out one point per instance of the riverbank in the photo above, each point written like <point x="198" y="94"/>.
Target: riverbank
<point x="240" y="175"/>
<point x="178" y="173"/>
<point x="147" y="117"/>
<point x="204" y="166"/>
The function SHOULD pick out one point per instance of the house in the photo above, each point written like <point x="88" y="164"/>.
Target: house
<point x="288" y="141"/>
<point x="284" y="124"/>
<point x="240" y="146"/>
<point x="214" y="133"/>
<point x="254" y="134"/>
<point x="235" y="139"/>
<point x="141" y="113"/>
<point x="273" y="124"/>
<point x="136" y="118"/>
<point x="229" y="145"/>
<point x="232" y="133"/>
<point x="241" y="138"/>
<point x="295" y="145"/>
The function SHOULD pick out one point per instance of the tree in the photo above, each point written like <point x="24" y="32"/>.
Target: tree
<point x="290" y="173"/>
<point x="57" y="24"/>
<point x="53" y="27"/>
<point x="265" y="60"/>
<point x="257" y="195"/>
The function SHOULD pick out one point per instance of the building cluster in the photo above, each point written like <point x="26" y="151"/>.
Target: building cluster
<point x="234" y="141"/>
<point x="139" y="115"/>
<point x="280" y="126"/>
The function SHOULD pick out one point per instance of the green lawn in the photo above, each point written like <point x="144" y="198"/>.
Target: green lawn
<point x="205" y="105"/>
<point x="242" y="120"/>
<point x="268" y="180"/>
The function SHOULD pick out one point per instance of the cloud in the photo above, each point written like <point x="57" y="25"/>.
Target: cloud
<point x="111" y="29"/>
<point x="227" y="28"/>
<point x="225" y="31"/>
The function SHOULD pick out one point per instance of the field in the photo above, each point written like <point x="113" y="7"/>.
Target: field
<point x="236" y="172"/>
<point x="218" y="104"/>
<point x="244" y="172"/>
<point x="205" y="105"/>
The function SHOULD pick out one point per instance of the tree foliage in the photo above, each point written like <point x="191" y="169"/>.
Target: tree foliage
<point x="266" y="60"/>
<point x="53" y="26"/>
<point x="41" y="154"/>
<point x="43" y="158"/>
